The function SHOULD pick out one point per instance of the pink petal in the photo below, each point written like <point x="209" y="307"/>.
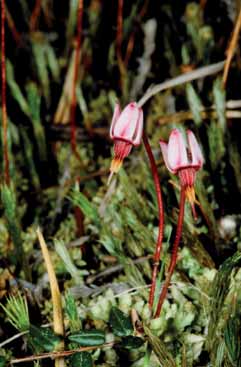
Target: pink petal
<point x="176" y="151"/>
<point x="163" y="146"/>
<point x="126" y="124"/>
<point x="139" y="129"/>
<point x="197" y="156"/>
<point x="116" y="115"/>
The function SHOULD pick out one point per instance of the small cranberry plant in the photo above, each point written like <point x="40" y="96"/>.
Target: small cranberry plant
<point x="181" y="158"/>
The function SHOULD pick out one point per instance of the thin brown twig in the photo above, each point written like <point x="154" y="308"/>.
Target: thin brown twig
<point x="76" y="74"/>
<point x="181" y="116"/>
<point x="12" y="27"/>
<point x="131" y="41"/>
<point x="119" y="37"/>
<point x="35" y="15"/>
<point x="231" y="48"/>
<point x="58" y="322"/>
<point x="55" y="355"/>
<point x="114" y="269"/>
<point x="119" y="32"/>
<point x="4" y="106"/>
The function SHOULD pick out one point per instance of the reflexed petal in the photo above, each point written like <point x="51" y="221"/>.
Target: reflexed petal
<point x="197" y="156"/>
<point x="139" y="129"/>
<point x="126" y="124"/>
<point x="176" y="151"/>
<point x="163" y="146"/>
<point x="116" y="115"/>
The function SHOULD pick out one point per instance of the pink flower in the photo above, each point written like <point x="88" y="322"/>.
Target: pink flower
<point x="183" y="160"/>
<point x="126" y="131"/>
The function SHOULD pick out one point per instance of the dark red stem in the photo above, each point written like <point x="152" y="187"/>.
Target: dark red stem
<point x="76" y="69"/>
<point x="35" y="15"/>
<point x="156" y="257"/>
<point x="4" y="107"/>
<point x="174" y="253"/>
<point x="119" y="29"/>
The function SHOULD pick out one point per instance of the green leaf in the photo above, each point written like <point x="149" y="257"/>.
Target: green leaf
<point x="16" y="309"/>
<point x="88" y="338"/>
<point x="82" y="359"/>
<point x="218" y="293"/>
<point x="120" y="323"/>
<point x="34" y="101"/>
<point x="69" y="265"/>
<point x="160" y="349"/>
<point x="72" y="312"/>
<point x="43" y="339"/>
<point x="216" y="144"/>
<point x="194" y="103"/>
<point x="219" y="94"/>
<point x="15" y="90"/>
<point x="77" y="198"/>
<point x="132" y="342"/>
<point x="10" y="212"/>
<point x="232" y="339"/>
<point x="3" y="361"/>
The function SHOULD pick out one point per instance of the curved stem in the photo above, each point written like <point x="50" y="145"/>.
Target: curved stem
<point x="161" y="218"/>
<point x="181" y="79"/>
<point x="174" y="253"/>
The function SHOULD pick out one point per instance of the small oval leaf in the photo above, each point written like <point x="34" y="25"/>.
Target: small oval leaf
<point x="43" y="339"/>
<point x="88" y="338"/>
<point x="120" y="323"/>
<point x="132" y="342"/>
<point x="82" y="359"/>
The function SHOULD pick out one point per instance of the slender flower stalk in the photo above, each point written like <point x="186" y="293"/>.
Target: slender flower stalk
<point x="183" y="161"/>
<point x="174" y="253"/>
<point x="127" y="130"/>
<point x="158" y="249"/>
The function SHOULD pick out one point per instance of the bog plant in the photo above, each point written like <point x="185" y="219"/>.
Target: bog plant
<point x="180" y="159"/>
<point x="98" y="253"/>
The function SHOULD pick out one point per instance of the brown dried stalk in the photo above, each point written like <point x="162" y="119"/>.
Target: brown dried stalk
<point x="231" y="48"/>
<point x="58" y="321"/>
<point x="55" y="355"/>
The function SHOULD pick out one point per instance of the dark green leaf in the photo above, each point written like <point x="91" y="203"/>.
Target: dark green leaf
<point x="120" y="323"/>
<point x="160" y="349"/>
<point x="88" y="338"/>
<point x="82" y="359"/>
<point x="132" y="342"/>
<point x="2" y="361"/>
<point x="43" y="339"/>
<point x="89" y="210"/>
<point x="232" y="339"/>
